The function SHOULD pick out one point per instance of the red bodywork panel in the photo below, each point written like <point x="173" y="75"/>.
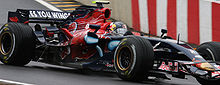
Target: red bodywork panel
<point x="13" y="19"/>
<point x="95" y="17"/>
<point x="77" y="30"/>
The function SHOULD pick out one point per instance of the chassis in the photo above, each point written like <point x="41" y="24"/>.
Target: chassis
<point x="83" y="39"/>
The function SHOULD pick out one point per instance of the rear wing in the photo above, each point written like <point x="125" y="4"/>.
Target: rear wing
<point x="37" y="16"/>
<point x="100" y="3"/>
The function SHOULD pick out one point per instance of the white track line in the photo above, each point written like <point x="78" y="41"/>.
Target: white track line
<point x="48" y="5"/>
<point x="13" y="82"/>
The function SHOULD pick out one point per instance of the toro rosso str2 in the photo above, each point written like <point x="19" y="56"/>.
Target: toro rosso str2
<point x="84" y="39"/>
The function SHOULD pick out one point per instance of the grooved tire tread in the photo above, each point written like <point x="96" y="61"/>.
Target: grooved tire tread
<point x="144" y="59"/>
<point x="24" y="44"/>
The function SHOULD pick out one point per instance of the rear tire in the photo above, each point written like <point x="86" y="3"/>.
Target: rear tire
<point x="133" y="58"/>
<point x="17" y="44"/>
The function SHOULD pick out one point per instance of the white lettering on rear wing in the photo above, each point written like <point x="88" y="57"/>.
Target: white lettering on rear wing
<point x="48" y="14"/>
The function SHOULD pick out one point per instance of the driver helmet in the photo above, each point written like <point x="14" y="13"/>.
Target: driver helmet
<point x="118" y="27"/>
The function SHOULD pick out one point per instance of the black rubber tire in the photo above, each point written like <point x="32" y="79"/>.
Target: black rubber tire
<point x="128" y="33"/>
<point x="21" y="37"/>
<point x="141" y="56"/>
<point x="210" y="50"/>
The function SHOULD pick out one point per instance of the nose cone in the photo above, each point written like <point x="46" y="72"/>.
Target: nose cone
<point x="205" y="66"/>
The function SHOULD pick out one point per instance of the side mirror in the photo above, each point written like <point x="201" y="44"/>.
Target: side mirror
<point x="164" y="31"/>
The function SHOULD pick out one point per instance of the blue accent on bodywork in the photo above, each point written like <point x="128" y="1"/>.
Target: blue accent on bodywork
<point x="113" y="44"/>
<point x="99" y="49"/>
<point x="91" y="40"/>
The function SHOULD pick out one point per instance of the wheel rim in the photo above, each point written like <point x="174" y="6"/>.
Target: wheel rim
<point x="124" y="58"/>
<point x="6" y="41"/>
<point x="211" y="54"/>
<point x="207" y="54"/>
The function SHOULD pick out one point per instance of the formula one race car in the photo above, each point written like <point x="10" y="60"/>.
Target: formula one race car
<point x="84" y="39"/>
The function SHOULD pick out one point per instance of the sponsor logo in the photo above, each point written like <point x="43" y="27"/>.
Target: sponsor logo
<point x="216" y="74"/>
<point x="170" y="67"/>
<point x="109" y="65"/>
<point x="5" y="29"/>
<point x="6" y="25"/>
<point x="48" y="14"/>
<point x="217" y="66"/>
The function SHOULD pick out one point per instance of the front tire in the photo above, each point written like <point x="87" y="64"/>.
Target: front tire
<point x="17" y="44"/>
<point x="133" y="58"/>
<point x="209" y="51"/>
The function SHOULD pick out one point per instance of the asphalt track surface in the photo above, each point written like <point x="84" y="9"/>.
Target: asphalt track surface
<point x="45" y="74"/>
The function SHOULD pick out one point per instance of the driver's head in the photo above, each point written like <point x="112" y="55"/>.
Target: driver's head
<point x="118" y="27"/>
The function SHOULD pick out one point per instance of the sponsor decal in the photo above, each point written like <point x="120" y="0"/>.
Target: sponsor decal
<point x="5" y="57"/>
<point x="216" y="74"/>
<point x="48" y="14"/>
<point x="217" y="66"/>
<point x="5" y="29"/>
<point x="6" y="25"/>
<point x="170" y="67"/>
<point x="123" y="43"/>
<point x="109" y="65"/>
